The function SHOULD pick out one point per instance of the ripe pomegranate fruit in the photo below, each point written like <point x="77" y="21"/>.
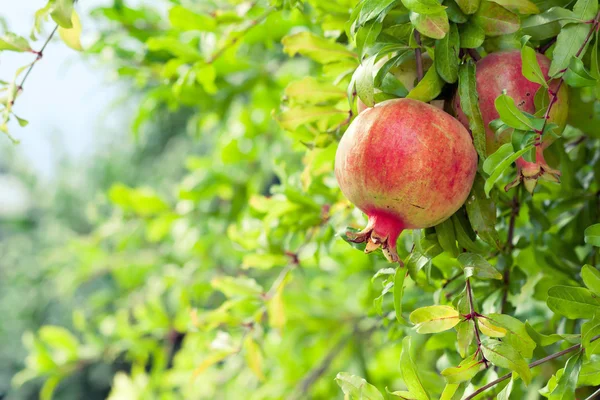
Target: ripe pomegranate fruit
<point x="502" y="71"/>
<point x="407" y="165"/>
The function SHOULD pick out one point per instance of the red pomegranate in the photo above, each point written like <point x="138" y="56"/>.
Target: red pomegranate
<point x="407" y="165"/>
<point x="502" y="71"/>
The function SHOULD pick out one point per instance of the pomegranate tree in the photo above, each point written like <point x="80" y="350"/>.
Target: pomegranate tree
<point x="500" y="72"/>
<point x="406" y="164"/>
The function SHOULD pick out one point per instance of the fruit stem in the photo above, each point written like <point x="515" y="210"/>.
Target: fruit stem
<point x="418" y="56"/>
<point x="474" y="54"/>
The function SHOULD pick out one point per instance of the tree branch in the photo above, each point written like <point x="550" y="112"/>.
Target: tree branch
<point x="545" y="47"/>
<point x="532" y="365"/>
<point x="39" y="54"/>
<point x="418" y="56"/>
<point x="313" y="376"/>
<point x="554" y="93"/>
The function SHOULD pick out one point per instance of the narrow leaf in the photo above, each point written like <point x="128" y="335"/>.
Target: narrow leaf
<point x="409" y="372"/>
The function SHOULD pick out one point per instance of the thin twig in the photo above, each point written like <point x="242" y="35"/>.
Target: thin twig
<point x="532" y="365"/>
<point x="545" y="47"/>
<point x="418" y="56"/>
<point x="39" y="54"/>
<point x="473" y="317"/>
<point x="239" y="34"/>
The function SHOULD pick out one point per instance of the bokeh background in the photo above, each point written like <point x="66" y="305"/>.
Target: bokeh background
<point x="154" y="211"/>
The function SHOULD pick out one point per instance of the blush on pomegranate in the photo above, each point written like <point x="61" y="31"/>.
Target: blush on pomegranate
<point x="407" y="165"/>
<point x="502" y="71"/>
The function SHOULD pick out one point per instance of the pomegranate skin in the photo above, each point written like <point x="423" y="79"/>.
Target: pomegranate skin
<point x="407" y="165"/>
<point x="502" y="71"/>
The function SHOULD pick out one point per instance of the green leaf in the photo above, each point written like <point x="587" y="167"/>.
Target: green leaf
<point x="72" y="36"/>
<point x="592" y="235"/>
<point x="572" y="302"/>
<point x="433" y="319"/>
<point x="505" y="393"/>
<point x="356" y="388"/>
<point x="62" y="11"/>
<point x="567" y="383"/>
<point x="511" y="115"/>
<point x="489" y="329"/>
<point x="372" y="9"/>
<point x="469" y="103"/>
<point x="363" y="78"/>
<point x="409" y="372"/>
<point x="313" y="91"/>
<point x="577" y="76"/>
<point x="315" y="47"/>
<point x="523" y="7"/>
<point x="11" y="42"/>
<point x="446" y="237"/>
<point x="495" y="19"/>
<point x="22" y="122"/>
<point x="548" y="24"/>
<point x="435" y="26"/>
<point x="236" y="286"/>
<point x="590" y="374"/>
<point x="477" y="266"/>
<point x="591" y="278"/>
<point x="428" y="88"/>
<point x="254" y="357"/>
<point x="572" y="37"/>
<point x="471" y="36"/>
<point x="292" y="118"/>
<point x="546" y="340"/>
<point x="465" y="371"/>
<point x="590" y="330"/>
<point x="530" y="66"/>
<point x="446" y="55"/>
<point x="264" y="261"/>
<point x="468" y="6"/>
<point x="496" y="164"/>
<point x="455" y="14"/>
<point x="505" y="356"/>
<point x="186" y="20"/>
<point x="482" y="213"/>
<point x="464" y="337"/>
<point x="60" y="340"/>
<point x="174" y="46"/>
<point x="516" y="334"/>
<point x="399" y="278"/>
<point x="449" y="391"/>
<point x="424" y="6"/>
<point x="586" y="9"/>
<point x="48" y="388"/>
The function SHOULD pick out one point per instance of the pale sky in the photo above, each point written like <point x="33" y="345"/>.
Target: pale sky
<point x="65" y="100"/>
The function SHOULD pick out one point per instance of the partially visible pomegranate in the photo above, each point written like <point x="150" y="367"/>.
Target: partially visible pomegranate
<point x="502" y="71"/>
<point x="407" y="165"/>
